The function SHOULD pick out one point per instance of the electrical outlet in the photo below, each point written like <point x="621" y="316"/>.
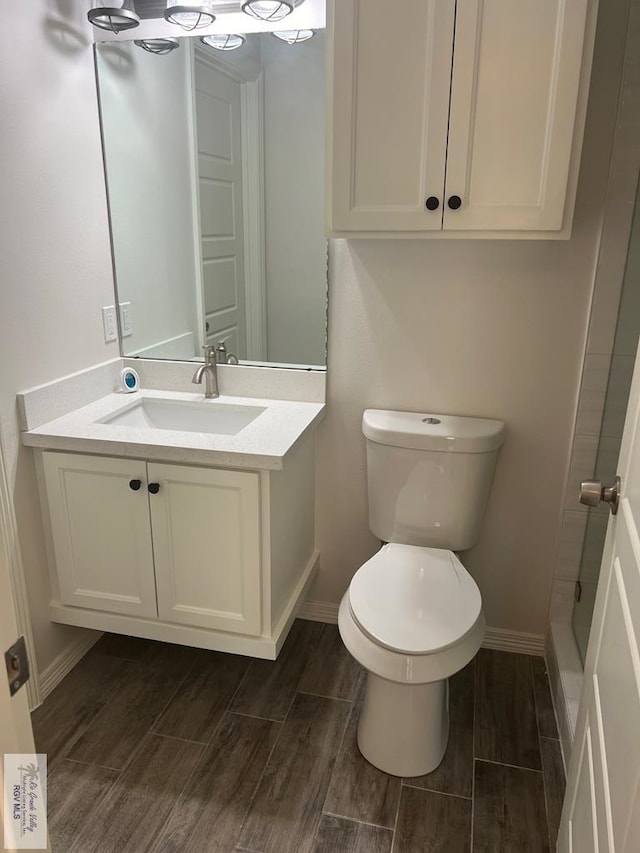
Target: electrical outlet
<point x="125" y="320"/>
<point x="109" y="324"/>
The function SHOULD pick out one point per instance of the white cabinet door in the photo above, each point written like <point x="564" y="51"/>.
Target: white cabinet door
<point x="514" y="93"/>
<point x="100" y="531"/>
<point x="391" y="69"/>
<point x="206" y="538"/>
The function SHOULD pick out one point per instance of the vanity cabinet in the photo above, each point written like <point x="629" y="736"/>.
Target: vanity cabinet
<point x="456" y="118"/>
<point x="128" y="534"/>
<point x="205" y="556"/>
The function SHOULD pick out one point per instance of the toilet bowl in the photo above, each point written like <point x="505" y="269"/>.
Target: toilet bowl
<point x="412" y="617"/>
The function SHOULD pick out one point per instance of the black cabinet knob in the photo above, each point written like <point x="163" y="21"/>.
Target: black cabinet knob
<point x="134" y="485"/>
<point x="454" y="202"/>
<point x="154" y="488"/>
<point x="432" y="203"/>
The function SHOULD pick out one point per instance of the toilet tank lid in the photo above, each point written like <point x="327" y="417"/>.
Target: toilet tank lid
<point x="428" y="431"/>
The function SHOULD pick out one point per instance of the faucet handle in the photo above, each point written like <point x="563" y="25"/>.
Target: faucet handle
<point x="221" y="352"/>
<point x="223" y="356"/>
<point x="209" y="354"/>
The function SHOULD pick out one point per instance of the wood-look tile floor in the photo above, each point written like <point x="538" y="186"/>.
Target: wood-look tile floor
<point x="155" y="748"/>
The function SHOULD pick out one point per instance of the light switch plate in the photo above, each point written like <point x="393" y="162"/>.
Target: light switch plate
<point x="125" y="320"/>
<point x="109" y="324"/>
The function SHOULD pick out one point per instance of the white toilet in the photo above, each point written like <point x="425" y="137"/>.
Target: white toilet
<point x="412" y="615"/>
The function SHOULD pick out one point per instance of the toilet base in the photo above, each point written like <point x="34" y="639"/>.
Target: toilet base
<point x="404" y="728"/>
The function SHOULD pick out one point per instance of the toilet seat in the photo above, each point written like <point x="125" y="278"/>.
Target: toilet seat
<point x="414" y="600"/>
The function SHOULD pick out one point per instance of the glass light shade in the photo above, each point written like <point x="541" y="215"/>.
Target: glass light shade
<point x="114" y="18"/>
<point x="294" y="36"/>
<point x="189" y="16"/>
<point x="158" y="46"/>
<point x="267" y="10"/>
<point x="222" y="41"/>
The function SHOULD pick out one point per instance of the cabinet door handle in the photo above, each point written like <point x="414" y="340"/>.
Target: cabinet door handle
<point x="134" y="485"/>
<point x="432" y="203"/>
<point x="154" y="488"/>
<point x="454" y="202"/>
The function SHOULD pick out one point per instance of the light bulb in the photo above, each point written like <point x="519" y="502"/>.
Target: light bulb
<point x="294" y="36"/>
<point x="188" y="16"/>
<point x="223" y="41"/>
<point x="267" y="10"/>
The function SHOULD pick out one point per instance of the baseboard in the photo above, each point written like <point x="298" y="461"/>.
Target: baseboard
<point x="319" y="611"/>
<point x="494" y="638"/>
<point x="66" y="660"/>
<point x="514" y="641"/>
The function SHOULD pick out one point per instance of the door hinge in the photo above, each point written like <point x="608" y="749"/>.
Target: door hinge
<point x="17" y="662"/>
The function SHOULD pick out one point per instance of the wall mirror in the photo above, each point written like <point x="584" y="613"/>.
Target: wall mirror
<point x="214" y="165"/>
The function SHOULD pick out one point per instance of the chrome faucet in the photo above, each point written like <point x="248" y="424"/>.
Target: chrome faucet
<point x="224" y="357"/>
<point x="208" y="370"/>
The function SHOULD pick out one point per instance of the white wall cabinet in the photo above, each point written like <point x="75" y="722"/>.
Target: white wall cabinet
<point x="456" y="117"/>
<point x="204" y="556"/>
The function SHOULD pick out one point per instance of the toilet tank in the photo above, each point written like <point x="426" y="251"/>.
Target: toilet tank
<point x="429" y="476"/>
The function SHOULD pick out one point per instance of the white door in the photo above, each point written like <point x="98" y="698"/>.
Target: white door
<point x="514" y="91"/>
<point x="16" y="735"/>
<point x="391" y="72"/>
<point x="206" y="541"/>
<point x="219" y="141"/>
<point x="601" y="812"/>
<point x="99" y="512"/>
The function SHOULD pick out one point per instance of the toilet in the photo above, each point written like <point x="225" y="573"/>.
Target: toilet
<point x="412" y="615"/>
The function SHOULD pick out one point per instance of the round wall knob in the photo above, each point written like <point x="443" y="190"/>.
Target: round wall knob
<point x="454" y="202"/>
<point x="154" y="488"/>
<point x="432" y="203"/>
<point x="134" y="485"/>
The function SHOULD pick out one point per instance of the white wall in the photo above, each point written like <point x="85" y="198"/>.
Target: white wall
<point x="295" y="247"/>
<point x="485" y="328"/>
<point x="147" y="124"/>
<point x="55" y="266"/>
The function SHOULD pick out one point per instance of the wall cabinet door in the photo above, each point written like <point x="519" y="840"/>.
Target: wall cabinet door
<point x="100" y="531"/>
<point x="206" y="538"/>
<point x="514" y="94"/>
<point x="480" y="121"/>
<point x="391" y="78"/>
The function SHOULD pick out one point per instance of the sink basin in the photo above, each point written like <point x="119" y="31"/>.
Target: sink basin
<point x="156" y="413"/>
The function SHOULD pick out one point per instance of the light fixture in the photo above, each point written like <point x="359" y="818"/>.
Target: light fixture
<point x="114" y="18"/>
<point x="189" y="16"/>
<point x="158" y="46"/>
<point x="222" y="41"/>
<point x="294" y="36"/>
<point x="268" y="10"/>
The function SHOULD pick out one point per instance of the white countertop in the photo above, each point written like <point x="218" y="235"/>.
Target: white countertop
<point x="264" y="443"/>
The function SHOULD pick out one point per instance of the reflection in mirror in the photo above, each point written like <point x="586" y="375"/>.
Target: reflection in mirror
<point x="214" y="163"/>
